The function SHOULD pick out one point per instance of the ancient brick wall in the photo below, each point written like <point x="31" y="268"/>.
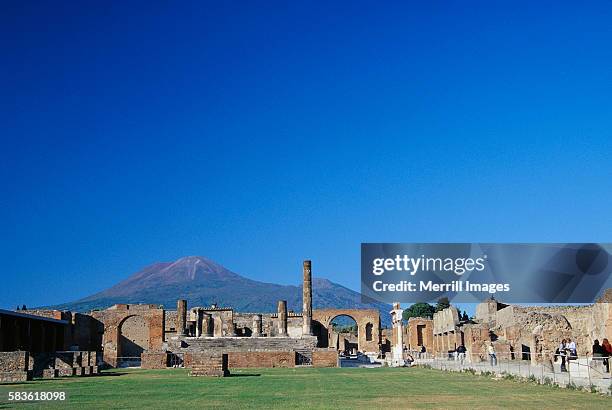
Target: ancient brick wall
<point x="209" y="364"/>
<point x="325" y="358"/>
<point x="149" y="317"/>
<point x="419" y="332"/>
<point x="261" y="359"/>
<point x="14" y="361"/>
<point x="154" y="360"/>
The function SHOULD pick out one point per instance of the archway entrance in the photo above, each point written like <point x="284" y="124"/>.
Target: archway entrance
<point x="344" y="335"/>
<point x="368" y="327"/>
<point x="133" y="339"/>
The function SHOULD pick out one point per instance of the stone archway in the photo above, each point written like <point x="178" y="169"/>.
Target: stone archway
<point x="133" y="335"/>
<point x="368" y="325"/>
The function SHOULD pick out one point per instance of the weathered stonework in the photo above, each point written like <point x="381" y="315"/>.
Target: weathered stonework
<point x="368" y="325"/>
<point x="154" y="360"/>
<point x="325" y="358"/>
<point x="14" y="367"/>
<point x="209" y="364"/>
<point x="130" y="330"/>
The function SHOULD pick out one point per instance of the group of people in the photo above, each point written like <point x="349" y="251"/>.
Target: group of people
<point x="603" y="351"/>
<point x="566" y="352"/>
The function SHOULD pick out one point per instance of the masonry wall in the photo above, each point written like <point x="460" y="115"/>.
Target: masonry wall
<point x="261" y="359"/>
<point x="325" y="358"/>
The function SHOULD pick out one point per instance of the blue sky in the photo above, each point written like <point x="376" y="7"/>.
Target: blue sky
<point x="259" y="135"/>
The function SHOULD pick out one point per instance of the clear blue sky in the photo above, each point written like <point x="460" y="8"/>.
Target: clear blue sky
<point x="262" y="134"/>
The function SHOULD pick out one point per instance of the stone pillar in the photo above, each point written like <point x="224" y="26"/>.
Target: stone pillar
<point x="256" y="326"/>
<point x="282" y="318"/>
<point x="397" y="344"/>
<point x="181" y="316"/>
<point x="207" y="327"/>
<point x="307" y="299"/>
<point x="198" y="323"/>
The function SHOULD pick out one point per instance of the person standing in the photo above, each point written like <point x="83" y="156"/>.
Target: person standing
<point x="492" y="355"/>
<point x="607" y="352"/>
<point x="461" y="354"/>
<point x="561" y="350"/>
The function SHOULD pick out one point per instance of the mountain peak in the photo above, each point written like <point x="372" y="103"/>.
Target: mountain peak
<point x="202" y="281"/>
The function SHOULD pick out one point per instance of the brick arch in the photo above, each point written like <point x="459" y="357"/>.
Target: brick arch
<point x="133" y="336"/>
<point x="115" y="316"/>
<point x="322" y="319"/>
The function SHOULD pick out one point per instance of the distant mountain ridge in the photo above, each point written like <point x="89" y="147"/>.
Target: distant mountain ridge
<point x="203" y="282"/>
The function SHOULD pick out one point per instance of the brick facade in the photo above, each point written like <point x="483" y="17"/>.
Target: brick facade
<point x="325" y="358"/>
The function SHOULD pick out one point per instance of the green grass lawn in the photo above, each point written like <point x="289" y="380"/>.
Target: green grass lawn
<point x="305" y="388"/>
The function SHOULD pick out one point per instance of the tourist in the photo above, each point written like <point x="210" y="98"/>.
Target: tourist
<point x="599" y="352"/>
<point x="571" y="347"/>
<point x="492" y="355"/>
<point x="422" y="354"/>
<point x="461" y="353"/>
<point x="561" y="351"/>
<point x="607" y="348"/>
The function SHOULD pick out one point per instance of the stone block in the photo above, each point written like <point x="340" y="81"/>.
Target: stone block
<point x="66" y="371"/>
<point x="49" y="373"/>
<point x="14" y="361"/>
<point x="325" y="358"/>
<point x="209" y="364"/>
<point x="154" y="360"/>
<point x="15" y="376"/>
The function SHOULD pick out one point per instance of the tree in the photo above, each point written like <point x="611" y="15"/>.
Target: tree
<point x="465" y="316"/>
<point x="24" y="307"/>
<point x="17" y="307"/>
<point x="443" y="303"/>
<point x="419" y="310"/>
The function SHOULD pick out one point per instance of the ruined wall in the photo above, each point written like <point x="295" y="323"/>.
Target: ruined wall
<point x="154" y="360"/>
<point x="209" y="364"/>
<point x="325" y="358"/>
<point x="261" y="359"/>
<point x="368" y="325"/>
<point x="14" y="367"/>
<point x="419" y="332"/>
<point x="445" y="320"/>
<point x="144" y="318"/>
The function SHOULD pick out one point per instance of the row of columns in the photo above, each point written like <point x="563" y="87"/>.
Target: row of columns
<point x="444" y="342"/>
<point x="204" y="320"/>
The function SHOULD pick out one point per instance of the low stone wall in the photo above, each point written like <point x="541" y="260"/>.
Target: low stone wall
<point x="261" y="359"/>
<point x="208" y="364"/>
<point x="325" y="358"/>
<point x="14" y="367"/>
<point x="21" y="365"/>
<point x="154" y="360"/>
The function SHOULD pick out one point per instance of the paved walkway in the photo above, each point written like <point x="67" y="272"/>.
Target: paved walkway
<point x="579" y="374"/>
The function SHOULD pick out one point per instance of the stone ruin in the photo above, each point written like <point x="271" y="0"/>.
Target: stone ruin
<point x="153" y="337"/>
<point x="516" y="332"/>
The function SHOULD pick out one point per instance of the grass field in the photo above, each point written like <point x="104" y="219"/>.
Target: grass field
<point x="305" y="388"/>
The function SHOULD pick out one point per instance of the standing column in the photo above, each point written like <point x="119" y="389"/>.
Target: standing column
<point x="181" y="316"/>
<point x="256" y="326"/>
<point x="199" y="318"/>
<point x="207" y="325"/>
<point x="282" y="318"/>
<point x="398" y="334"/>
<point x="307" y="299"/>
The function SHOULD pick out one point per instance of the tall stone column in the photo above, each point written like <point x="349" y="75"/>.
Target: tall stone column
<point x="397" y="345"/>
<point x="181" y="316"/>
<point x="282" y="318"/>
<point x="256" y="326"/>
<point x="199" y="319"/>
<point x="207" y="325"/>
<point x="307" y="299"/>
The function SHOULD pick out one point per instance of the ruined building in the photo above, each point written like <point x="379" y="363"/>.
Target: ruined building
<point x="149" y="334"/>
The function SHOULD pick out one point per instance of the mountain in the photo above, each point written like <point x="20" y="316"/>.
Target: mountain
<point x="203" y="282"/>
